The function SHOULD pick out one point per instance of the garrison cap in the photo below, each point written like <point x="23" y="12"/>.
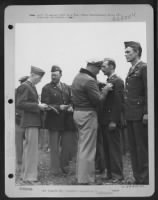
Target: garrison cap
<point x="132" y="44"/>
<point x="95" y="62"/>
<point x="56" y="68"/>
<point x="23" y="79"/>
<point x="135" y="45"/>
<point x="38" y="71"/>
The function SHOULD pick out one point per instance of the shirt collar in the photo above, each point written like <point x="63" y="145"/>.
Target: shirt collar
<point x="133" y="66"/>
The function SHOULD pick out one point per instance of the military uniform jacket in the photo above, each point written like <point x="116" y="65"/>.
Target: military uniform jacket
<point x="55" y="96"/>
<point x="136" y="92"/>
<point x="112" y="107"/>
<point x="27" y="102"/>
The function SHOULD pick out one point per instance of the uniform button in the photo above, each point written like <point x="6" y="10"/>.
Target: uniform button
<point x="109" y="110"/>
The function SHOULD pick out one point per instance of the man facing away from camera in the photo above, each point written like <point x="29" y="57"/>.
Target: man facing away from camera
<point x="136" y="111"/>
<point x="59" y="122"/>
<point x="110" y="120"/>
<point x="27" y="101"/>
<point x="86" y="98"/>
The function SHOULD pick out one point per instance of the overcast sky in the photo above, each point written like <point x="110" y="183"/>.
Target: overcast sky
<point x="70" y="45"/>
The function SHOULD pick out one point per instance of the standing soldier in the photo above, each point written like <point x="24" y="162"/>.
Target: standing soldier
<point x="110" y="119"/>
<point x="59" y="121"/>
<point x="27" y="101"/>
<point x="86" y="99"/>
<point x="19" y="132"/>
<point x="136" y="111"/>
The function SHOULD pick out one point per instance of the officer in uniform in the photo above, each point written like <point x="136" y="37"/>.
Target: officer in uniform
<point x="86" y="99"/>
<point x="27" y="101"/>
<point x="19" y="132"/>
<point x="136" y="111"/>
<point x="59" y="122"/>
<point x="110" y="119"/>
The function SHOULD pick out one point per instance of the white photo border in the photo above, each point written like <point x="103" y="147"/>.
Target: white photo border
<point x="73" y="13"/>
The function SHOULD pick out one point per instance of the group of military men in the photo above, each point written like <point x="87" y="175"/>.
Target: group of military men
<point x="79" y="111"/>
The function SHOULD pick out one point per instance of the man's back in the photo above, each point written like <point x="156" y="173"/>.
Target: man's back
<point x="85" y="91"/>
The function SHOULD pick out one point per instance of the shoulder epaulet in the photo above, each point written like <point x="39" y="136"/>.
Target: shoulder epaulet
<point x="142" y="64"/>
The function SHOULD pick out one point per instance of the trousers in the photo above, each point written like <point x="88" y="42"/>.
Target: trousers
<point x="62" y="149"/>
<point x="112" y="152"/>
<point x="87" y="125"/>
<point x="19" y="138"/>
<point x="30" y="155"/>
<point x="138" y="144"/>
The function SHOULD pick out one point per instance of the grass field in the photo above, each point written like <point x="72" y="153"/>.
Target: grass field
<point x="45" y="178"/>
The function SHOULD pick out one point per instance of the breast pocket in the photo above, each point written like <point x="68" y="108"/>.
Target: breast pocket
<point x="136" y="74"/>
